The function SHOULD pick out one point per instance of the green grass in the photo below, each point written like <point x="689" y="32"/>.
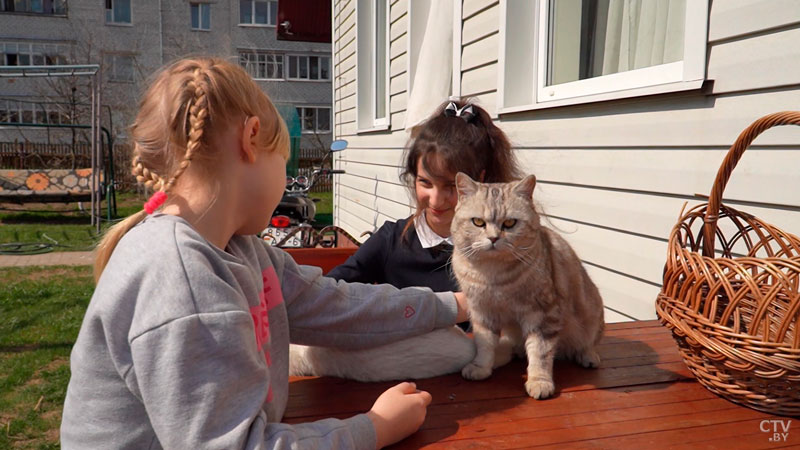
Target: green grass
<point x="42" y="309"/>
<point x="325" y="205"/>
<point x="63" y="226"/>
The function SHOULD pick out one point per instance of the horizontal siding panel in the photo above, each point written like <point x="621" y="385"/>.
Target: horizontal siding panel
<point x="398" y="29"/>
<point x="353" y="224"/>
<point x="398" y="120"/>
<point x="757" y="62"/>
<point x="381" y="188"/>
<point x="398" y="65"/>
<point x="626" y="295"/>
<point x="398" y="84"/>
<point x="690" y="120"/>
<point x="613" y="317"/>
<point x="630" y="255"/>
<point x="398" y="10"/>
<point x="382" y="156"/>
<point x="487" y="101"/>
<point x="480" y="52"/>
<point x="397" y="102"/>
<point x="650" y="215"/>
<point x="732" y="18"/>
<point x="762" y="175"/>
<point x="470" y="7"/>
<point x="482" y="79"/>
<point x="368" y="170"/>
<point x="481" y="25"/>
<point x="396" y="49"/>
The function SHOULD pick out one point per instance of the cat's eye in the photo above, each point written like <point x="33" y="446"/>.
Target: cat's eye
<point x="478" y="222"/>
<point x="508" y="223"/>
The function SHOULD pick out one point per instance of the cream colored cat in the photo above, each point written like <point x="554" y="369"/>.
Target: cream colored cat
<point x="523" y="279"/>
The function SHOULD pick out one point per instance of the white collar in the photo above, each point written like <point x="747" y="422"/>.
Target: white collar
<point x="427" y="237"/>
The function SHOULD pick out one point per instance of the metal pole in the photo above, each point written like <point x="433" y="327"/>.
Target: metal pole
<point x="93" y="148"/>
<point x="99" y="147"/>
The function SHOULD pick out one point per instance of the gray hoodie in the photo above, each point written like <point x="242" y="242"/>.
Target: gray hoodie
<point x="186" y="346"/>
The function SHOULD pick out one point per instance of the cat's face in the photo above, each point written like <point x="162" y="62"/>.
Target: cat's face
<point x="494" y="220"/>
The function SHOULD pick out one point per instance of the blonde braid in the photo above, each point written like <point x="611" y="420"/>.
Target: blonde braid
<point x="146" y="176"/>
<point x="198" y="112"/>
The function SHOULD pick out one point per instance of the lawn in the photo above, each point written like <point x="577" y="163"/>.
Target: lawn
<point x="42" y="309"/>
<point x="63" y="227"/>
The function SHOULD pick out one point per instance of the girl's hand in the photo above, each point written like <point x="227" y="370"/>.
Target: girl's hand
<point x="463" y="308"/>
<point x="398" y="413"/>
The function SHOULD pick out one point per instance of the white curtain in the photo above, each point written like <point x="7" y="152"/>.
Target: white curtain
<point x="434" y="67"/>
<point x="643" y="33"/>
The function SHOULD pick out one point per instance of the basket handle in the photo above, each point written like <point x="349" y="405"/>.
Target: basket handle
<point x="723" y="175"/>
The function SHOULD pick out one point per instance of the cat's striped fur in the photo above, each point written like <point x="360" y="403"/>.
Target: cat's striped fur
<point x="523" y="279"/>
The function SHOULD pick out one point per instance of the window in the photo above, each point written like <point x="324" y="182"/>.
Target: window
<point x="591" y="50"/>
<point x="26" y="54"/>
<point x="372" y="43"/>
<point x="308" y="67"/>
<point x="119" y="67"/>
<point x="258" y="12"/>
<point x="314" y="119"/>
<point x="118" y="11"/>
<point x="201" y="16"/>
<point x="47" y="7"/>
<point x="262" y="66"/>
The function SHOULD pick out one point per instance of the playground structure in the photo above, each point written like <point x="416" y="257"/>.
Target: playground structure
<point x="64" y="185"/>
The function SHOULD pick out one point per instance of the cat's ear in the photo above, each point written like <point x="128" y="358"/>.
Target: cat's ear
<point x="525" y="187"/>
<point x="465" y="185"/>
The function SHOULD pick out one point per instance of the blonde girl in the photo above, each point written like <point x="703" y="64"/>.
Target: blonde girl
<point x="185" y="341"/>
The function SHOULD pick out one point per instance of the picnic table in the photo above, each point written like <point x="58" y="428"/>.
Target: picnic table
<point x="641" y="397"/>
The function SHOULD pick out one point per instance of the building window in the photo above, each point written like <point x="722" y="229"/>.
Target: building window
<point x="372" y="43"/>
<point x="314" y="119"/>
<point x="118" y="11"/>
<point x="25" y="54"/>
<point x="201" y="16"/>
<point x="585" y="51"/>
<point x="47" y="7"/>
<point x="258" y="12"/>
<point x="262" y="66"/>
<point x="308" y="67"/>
<point x="120" y="67"/>
<point x="17" y="111"/>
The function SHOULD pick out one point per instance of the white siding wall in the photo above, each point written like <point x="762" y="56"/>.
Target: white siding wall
<point x="613" y="176"/>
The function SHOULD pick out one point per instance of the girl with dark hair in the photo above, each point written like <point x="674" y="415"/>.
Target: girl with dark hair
<point x="458" y="137"/>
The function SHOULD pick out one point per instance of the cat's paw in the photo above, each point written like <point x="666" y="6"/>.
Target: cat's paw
<point x="589" y="359"/>
<point x="540" y="389"/>
<point x="475" y="372"/>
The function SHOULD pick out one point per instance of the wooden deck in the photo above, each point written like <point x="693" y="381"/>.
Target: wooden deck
<point x="642" y="397"/>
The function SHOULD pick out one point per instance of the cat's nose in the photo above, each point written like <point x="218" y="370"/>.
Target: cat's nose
<point x="494" y="239"/>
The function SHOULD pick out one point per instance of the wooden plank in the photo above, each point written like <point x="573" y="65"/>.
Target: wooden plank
<point x="481" y="25"/>
<point x="757" y="62"/>
<point x="736" y="18"/>
<point x="471" y="7"/>
<point x="481" y="79"/>
<point x="480" y="52"/>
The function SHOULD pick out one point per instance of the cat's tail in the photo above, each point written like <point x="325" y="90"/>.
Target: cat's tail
<point x="439" y="352"/>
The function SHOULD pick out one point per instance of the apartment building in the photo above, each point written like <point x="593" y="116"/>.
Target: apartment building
<point x="130" y="40"/>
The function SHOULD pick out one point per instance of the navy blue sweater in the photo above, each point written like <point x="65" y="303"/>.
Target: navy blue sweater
<point x="386" y="257"/>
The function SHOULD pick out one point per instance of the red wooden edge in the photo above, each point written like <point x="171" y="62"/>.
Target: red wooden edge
<point x="324" y="258"/>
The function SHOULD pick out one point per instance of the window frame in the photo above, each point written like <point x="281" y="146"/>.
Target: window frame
<point x="371" y="122"/>
<point x="266" y="63"/>
<point x="113" y="9"/>
<point x="110" y="61"/>
<point x="688" y="74"/>
<point x="308" y="57"/>
<point x="252" y="22"/>
<point x="316" y="130"/>
<point x="45" y="4"/>
<point x="200" y="6"/>
<point x="33" y="53"/>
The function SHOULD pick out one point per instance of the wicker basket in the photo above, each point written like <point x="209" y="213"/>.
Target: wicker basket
<point x="734" y="308"/>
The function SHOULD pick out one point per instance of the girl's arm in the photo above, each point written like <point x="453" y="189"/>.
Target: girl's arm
<point x="328" y="313"/>
<point x="203" y="383"/>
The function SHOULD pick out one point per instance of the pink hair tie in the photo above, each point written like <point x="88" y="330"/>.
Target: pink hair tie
<point x="155" y="201"/>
